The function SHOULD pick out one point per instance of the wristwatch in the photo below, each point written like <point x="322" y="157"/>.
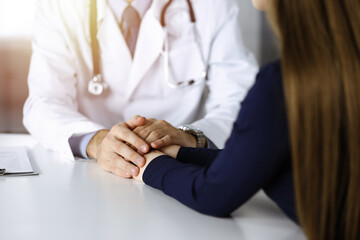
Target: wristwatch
<point x="197" y="133"/>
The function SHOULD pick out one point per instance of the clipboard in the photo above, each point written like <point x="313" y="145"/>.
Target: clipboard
<point x="15" y="161"/>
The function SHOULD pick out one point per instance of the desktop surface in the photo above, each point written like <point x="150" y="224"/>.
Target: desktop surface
<point x="77" y="200"/>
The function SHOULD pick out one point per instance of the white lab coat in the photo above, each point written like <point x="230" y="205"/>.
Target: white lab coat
<point x="59" y="105"/>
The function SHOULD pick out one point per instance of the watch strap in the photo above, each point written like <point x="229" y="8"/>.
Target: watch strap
<point x="197" y="133"/>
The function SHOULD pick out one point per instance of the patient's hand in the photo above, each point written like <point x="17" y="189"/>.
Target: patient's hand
<point x="159" y="134"/>
<point x="149" y="157"/>
<point x="171" y="150"/>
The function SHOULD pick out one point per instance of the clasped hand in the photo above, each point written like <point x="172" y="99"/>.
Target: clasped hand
<point x="127" y="147"/>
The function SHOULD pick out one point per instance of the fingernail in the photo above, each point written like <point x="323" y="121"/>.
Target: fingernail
<point x="144" y="148"/>
<point x="133" y="170"/>
<point x="139" y="161"/>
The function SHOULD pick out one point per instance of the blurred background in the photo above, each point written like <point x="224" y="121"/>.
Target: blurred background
<point x="16" y="21"/>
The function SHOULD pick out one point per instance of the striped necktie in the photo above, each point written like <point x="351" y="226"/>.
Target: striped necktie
<point x="130" y="24"/>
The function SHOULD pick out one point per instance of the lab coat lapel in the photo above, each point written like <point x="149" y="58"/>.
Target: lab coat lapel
<point x="148" y="48"/>
<point x="112" y="43"/>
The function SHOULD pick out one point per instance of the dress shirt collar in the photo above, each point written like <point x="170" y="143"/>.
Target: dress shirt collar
<point x="118" y="6"/>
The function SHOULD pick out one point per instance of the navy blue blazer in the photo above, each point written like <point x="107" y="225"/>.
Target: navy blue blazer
<point x="256" y="156"/>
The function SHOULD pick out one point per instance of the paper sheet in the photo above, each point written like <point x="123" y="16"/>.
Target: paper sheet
<point x="15" y="160"/>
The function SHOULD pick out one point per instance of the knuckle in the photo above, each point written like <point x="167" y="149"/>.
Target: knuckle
<point x="124" y="135"/>
<point x="178" y="133"/>
<point x="156" y="134"/>
<point x="144" y="132"/>
<point x="169" y="138"/>
<point x="163" y="122"/>
<point x="110" y="138"/>
<point x="106" y="140"/>
<point x="164" y="140"/>
<point x="120" y="126"/>
<point x="137" y="130"/>
<point x="114" y="128"/>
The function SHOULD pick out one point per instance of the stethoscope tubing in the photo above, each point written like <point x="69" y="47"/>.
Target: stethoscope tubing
<point x="93" y="38"/>
<point x="167" y="5"/>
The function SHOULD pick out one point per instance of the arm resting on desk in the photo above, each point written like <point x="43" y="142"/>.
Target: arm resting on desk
<point x="256" y="153"/>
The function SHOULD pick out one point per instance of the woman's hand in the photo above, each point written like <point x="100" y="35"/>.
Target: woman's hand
<point x="171" y="150"/>
<point x="148" y="157"/>
<point x="159" y="134"/>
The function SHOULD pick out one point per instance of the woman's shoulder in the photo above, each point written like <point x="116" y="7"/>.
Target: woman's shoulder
<point x="268" y="83"/>
<point x="266" y="97"/>
<point x="270" y="74"/>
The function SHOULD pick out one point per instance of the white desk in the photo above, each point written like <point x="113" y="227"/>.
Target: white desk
<point x="77" y="200"/>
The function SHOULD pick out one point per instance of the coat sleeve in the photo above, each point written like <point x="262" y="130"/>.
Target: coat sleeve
<point x="51" y="111"/>
<point x="231" y="74"/>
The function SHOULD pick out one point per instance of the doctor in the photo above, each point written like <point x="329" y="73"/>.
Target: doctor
<point x="180" y="61"/>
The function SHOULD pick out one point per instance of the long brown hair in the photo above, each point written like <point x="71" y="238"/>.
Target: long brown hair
<point x="320" y="48"/>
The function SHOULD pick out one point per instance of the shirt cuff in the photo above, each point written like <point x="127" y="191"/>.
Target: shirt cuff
<point x="78" y="144"/>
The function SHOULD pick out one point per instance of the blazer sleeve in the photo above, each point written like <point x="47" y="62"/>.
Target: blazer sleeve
<point x="197" y="156"/>
<point x="256" y="152"/>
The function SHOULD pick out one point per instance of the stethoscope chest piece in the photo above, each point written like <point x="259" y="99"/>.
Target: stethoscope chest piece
<point x="96" y="85"/>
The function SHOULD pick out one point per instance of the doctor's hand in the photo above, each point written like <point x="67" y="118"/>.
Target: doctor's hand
<point x="119" y="150"/>
<point x="159" y="133"/>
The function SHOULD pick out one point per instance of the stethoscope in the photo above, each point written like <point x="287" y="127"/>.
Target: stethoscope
<point x="97" y="85"/>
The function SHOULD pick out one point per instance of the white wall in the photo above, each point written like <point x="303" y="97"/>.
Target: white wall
<point x="257" y="34"/>
<point x="16" y="18"/>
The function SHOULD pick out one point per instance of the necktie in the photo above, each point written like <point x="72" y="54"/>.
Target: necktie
<point x="130" y="24"/>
